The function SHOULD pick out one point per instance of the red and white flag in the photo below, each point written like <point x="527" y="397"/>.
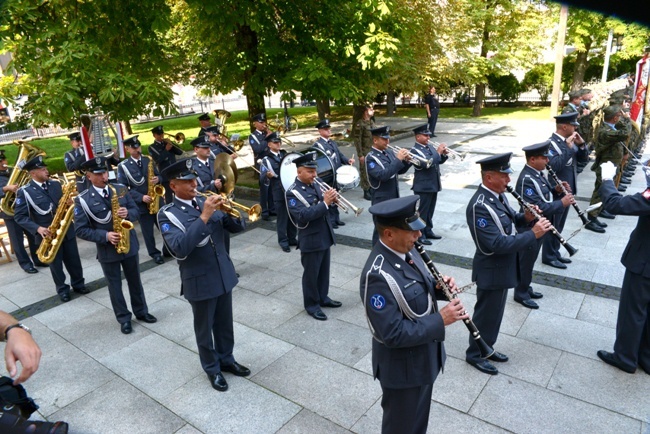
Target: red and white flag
<point x="640" y="97"/>
<point x="120" y="139"/>
<point x="85" y="143"/>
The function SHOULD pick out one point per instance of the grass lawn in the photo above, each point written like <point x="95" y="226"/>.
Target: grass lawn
<point x="238" y="124"/>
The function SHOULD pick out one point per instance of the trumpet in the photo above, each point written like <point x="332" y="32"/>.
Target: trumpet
<point x="230" y="207"/>
<point x="416" y="159"/>
<point x="452" y="154"/>
<point x="341" y="202"/>
<point x="179" y="138"/>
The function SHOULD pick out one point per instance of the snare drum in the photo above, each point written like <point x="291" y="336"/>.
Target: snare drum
<point x="347" y="178"/>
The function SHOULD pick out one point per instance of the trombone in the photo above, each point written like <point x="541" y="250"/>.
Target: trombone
<point x="453" y="154"/>
<point x="232" y="208"/>
<point x="341" y="202"/>
<point x="417" y="160"/>
<point x="179" y="138"/>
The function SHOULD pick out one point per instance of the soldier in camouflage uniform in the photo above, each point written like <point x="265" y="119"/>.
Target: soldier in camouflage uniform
<point x="363" y="144"/>
<point x="609" y="137"/>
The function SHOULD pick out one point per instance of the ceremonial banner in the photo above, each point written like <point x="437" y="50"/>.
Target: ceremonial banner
<point x="639" y="99"/>
<point x="85" y="143"/>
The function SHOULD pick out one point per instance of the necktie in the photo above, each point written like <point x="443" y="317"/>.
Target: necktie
<point x="195" y="205"/>
<point x="503" y="201"/>
<point x="140" y="164"/>
<point x="45" y="186"/>
<point x="409" y="260"/>
<point x="105" y="193"/>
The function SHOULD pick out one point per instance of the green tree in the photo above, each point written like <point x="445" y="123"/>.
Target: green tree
<point x="540" y="78"/>
<point x="506" y="87"/>
<point x="76" y="57"/>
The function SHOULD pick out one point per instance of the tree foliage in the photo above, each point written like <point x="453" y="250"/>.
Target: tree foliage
<point x="540" y="78"/>
<point x="506" y="87"/>
<point x="81" y="57"/>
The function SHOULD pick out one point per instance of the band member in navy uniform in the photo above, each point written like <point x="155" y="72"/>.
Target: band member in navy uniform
<point x="399" y="297"/>
<point x="34" y="210"/>
<point x="426" y="182"/>
<point x="260" y="148"/>
<point x="383" y="165"/>
<point x="331" y="149"/>
<point x="534" y="187"/>
<point x="632" y="345"/>
<point x="567" y="149"/>
<point x="133" y="172"/>
<point x="15" y="231"/>
<point x="270" y="175"/>
<point x="193" y="229"/>
<point x="203" y="165"/>
<point x="94" y="221"/>
<point x="492" y="223"/>
<point x="308" y="208"/>
<point x="74" y="158"/>
<point x="164" y="153"/>
<point x="204" y="121"/>
<point x="217" y="146"/>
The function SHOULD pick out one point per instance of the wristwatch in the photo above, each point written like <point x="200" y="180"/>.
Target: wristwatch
<point x="19" y="325"/>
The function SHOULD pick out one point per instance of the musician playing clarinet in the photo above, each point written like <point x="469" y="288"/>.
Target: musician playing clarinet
<point x="492" y="224"/>
<point x="534" y="187"/>
<point x="399" y="297"/>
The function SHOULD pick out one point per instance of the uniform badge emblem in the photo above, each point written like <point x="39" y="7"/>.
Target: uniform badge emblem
<point x="529" y="192"/>
<point x="164" y="227"/>
<point x="98" y="161"/>
<point x="292" y="202"/>
<point x="188" y="164"/>
<point x="378" y="302"/>
<point x="481" y="223"/>
<point x="19" y="201"/>
<point x="77" y="211"/>
<point x="371" y="165"/>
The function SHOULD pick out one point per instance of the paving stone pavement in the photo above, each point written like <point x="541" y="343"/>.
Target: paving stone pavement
<point x="315" y="377"/>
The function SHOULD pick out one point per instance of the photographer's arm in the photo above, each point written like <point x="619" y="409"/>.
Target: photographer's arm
<point x="20" y="347"/>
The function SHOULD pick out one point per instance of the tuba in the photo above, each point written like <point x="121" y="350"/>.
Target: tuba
<point x="62" y="220"/>
<point x="155" y="191"/>
<point x="220" y="117"/>
<point x="18" y="176"/>
<point x="121" y="226"/>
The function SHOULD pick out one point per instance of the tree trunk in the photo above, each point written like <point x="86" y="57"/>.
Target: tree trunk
<point x="478" y="99"/>
<point x="580" y="68"/>
<point x="323" y="108"/>
<point x="255" y="104"/>
<point x="127" y="127"/>
<point x="390" y="103"/>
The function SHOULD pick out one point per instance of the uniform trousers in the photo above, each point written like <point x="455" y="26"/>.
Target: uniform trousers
<point x="147" y="223"/>
<point x="488" y="314"/>
<point x="315" y="278"/>
<point x="112" y="271"/>
<point x="551" y="245"/>
<point x="285" y="229"/>
<point x="68" y="254"/>
<point x="406" y="411"/>
<point x="433" y="120"/>
<point x="213" y="329"/>
<point x="266" y="200"/>
<point x="426" y="210"/>
<point x="526" y="262"/>
<point x="632" y="346"/>
<point x="16" y="237"/>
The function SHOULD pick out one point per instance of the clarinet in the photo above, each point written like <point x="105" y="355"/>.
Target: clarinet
<point x="575" y="206"/>
<point x="528" y="207"/>
<point x="484" y="348"/>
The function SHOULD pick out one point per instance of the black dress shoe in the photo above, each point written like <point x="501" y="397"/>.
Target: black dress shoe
<point x="598" y="222"/>
<point x="498" y="357"/>
<point x="218" y="382"/>
<point x="65" y="297"/>
<point x="646" y="370"/>
<point x="81" y="290"/>
<point x="41" y="264"/>
<point x="433" y="236"/>
<point x="606" y="215"/>
<point x="564" y="260"/>
<point x="592" y="226"/>
<point x="126" y="327"/>
<point x="622" y="188"/>
<point x="340" y="223"/>
<point x="236" y="369"/>
<point x="266" y="218"/>
<point x="286" y="249"/>
<point x="335" y="226"/>
<point x="530" y="304"/>
<point x="535" y="294"/>
<point x="556" y="264"/>
<point x="331" y="303"/>
<point x="319" y="315"/>
<point x="273" y="214"/>
<point x="158" y="260"/>
<point x="424" y="241"/>
<point x="610" y="359"/>
<point x="30" y="270"/>
<point x="484" y="366"/>
<point x="626" y="181"/>
<point x="148" y="318"/>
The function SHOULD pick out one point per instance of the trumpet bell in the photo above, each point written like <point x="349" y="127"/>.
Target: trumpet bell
<point x="255" y="212"/>
<point x="180" y="138"/>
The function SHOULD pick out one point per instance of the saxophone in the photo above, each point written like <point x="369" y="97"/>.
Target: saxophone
<point x="18" y="175"/>
<point x="61" y="223"/>
<point x="121" y="226"/>
<point x="155" y="191"/>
